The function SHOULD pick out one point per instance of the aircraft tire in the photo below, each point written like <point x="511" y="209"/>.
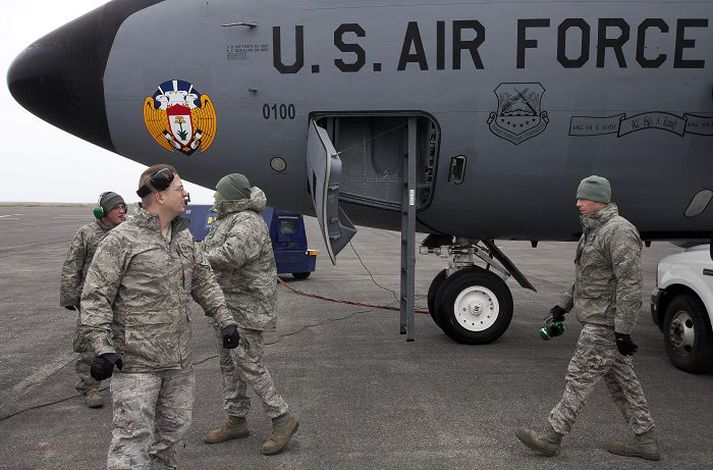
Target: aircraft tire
<point x="687" y="334"/>
<point x="432" y="291"/>
<point x="474" y="306"/>
<point x="303" y="275"/>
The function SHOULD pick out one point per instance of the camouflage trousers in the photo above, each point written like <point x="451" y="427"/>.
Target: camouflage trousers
<point x="243" y="366"/>
<point x="84" y="362"/>
<point x="596" y="356"/>
<point x="152" y="412"/>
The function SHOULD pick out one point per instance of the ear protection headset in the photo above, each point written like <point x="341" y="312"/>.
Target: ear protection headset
<point x="159" y="181"/>
<point x="98" y="211"/>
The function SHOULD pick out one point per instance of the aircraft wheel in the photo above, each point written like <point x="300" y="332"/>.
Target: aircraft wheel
<point x="432" y="291"/>
<point x="304" y="275"/>
<point x="474" y="306"/>
<point x="687" y="334"/>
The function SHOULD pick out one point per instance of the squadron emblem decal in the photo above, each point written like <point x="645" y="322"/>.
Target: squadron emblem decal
<point x="179" y="117"/>
<point x="519" y="116"/>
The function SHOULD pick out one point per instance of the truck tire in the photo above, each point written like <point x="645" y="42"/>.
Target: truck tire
<point x="687" y="334"/>
<point x="303" y="275"/>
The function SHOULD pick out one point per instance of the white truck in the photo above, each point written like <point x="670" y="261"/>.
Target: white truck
<point x="682" y="307"/>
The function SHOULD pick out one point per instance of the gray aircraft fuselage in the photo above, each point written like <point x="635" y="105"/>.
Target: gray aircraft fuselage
<point x="515" y="101"/>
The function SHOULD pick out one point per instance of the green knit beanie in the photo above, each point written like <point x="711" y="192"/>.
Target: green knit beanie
<point x="233" y="187"/>
<point x="110" y="200"/>
<point x="595" y="188"/>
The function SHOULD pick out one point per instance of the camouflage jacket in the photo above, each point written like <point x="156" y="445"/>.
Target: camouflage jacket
<point x="76" y="263"/>
<point x="607" y="285"/>
<point x="239" y="250"/>
<point x="136" y="296"/>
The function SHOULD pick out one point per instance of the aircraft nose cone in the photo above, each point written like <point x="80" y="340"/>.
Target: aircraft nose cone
<point x="59" y="78"/>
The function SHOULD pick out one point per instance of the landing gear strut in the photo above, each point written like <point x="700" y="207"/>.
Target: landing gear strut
<point x="470" y="303"/>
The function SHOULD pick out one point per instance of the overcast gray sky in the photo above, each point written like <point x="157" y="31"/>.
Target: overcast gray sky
<point x="38" y="162"/>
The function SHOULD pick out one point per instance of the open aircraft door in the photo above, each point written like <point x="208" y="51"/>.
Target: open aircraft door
<point x="324" y="171"/>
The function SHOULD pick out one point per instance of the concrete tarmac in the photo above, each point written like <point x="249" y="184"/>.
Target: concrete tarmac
<point x="365" y="397"/>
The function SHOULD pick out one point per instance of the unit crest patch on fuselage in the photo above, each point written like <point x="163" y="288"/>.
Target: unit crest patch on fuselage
<point x="179" y="117"/>
<point x="519" y="116"/>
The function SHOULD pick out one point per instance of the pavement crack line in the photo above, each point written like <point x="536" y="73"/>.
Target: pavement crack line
<point x="195" y="363"/>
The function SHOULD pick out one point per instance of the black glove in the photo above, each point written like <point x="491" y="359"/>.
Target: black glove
<point x="557" y="313"/>
<point x="70" y="307"/>
<point x="625" y="345"/>
<point x="230" y="336"/>
<point x="103" y="365"/>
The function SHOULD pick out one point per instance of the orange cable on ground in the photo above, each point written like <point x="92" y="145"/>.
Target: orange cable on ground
<point x="349" y="302"/>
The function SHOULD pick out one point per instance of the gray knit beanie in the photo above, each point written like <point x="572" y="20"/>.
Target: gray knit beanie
<point x="233" y="187"/>
<point x="110" y="200"/>
<point x="595" y="188"/>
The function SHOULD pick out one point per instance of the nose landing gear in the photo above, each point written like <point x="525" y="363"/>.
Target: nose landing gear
<point x="472" y="304"/>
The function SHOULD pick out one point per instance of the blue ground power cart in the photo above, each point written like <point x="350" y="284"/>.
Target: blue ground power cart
<point x="287" y="232"/>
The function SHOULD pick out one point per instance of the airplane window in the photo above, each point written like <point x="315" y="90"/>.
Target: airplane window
<point x="699" y="203"/>
<point x="278" y="164"/>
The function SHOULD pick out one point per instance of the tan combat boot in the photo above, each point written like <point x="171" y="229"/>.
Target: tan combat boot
<point x="644" y="445"/>
<point x="93" y="399"/>
<point x="283" y="427"/>
<point x="236" y="427"/>
<point x="546" y="442"/>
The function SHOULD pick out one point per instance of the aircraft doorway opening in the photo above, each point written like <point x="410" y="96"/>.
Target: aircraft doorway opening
<point x="386" y="161"/>
<point x="372" y="150"/>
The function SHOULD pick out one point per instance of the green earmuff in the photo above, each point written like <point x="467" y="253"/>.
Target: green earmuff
<point x="98" y="211"/>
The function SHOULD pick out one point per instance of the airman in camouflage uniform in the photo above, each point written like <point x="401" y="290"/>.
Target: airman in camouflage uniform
<point x="110" y="212"/>
<point x="606" y="297"/>
<point x="239" y="250"/>
<point x="135" y="310"/>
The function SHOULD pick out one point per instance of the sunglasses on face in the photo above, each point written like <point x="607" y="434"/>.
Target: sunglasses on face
<point x="159" y="181"/>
